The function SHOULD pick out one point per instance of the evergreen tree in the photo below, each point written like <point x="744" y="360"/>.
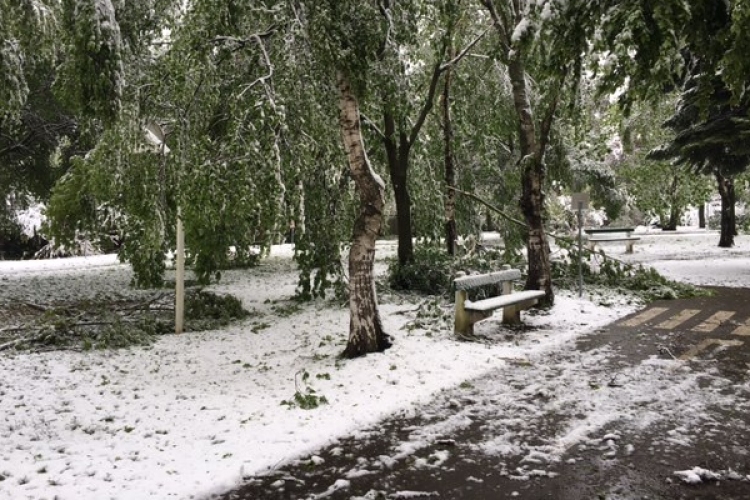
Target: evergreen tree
<point x="712" y="141"/>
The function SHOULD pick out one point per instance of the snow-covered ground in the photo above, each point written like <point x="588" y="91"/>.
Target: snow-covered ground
<point x="192" y="414"/>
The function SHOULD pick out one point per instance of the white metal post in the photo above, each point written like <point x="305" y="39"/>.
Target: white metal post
<point x="179" y="289"/>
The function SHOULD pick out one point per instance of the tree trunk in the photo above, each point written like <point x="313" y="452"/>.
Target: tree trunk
<point x="403" y="210"/>
<point x="537" y="248"/>
<point x="674" y="214"/>
<point x="397" y="155"/>
<point x="532" y="196"/>
<point x="451" y="235"/>
<point x="728" y="223"/>
<point x="365" y="329"/>
<point x="702" y="216"/>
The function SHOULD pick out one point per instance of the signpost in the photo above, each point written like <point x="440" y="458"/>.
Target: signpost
<point x="580" y="202"/>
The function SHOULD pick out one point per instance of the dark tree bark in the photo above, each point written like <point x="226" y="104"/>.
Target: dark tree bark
<point x="397" y="149"/>
<point x="398" y="144"/>
<point x="451" y="233"/>
<point x="533" y="139"/>
<point x="728" y="220"/>
<point x="365" y="329"/>
<point x="702" y="216"/>
<point x="399" y="139"/>
<point x="674" y="214"/>
<point x="532" y="194"/>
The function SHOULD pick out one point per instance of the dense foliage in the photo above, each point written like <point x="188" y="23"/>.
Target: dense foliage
<point x="224" y="115"/>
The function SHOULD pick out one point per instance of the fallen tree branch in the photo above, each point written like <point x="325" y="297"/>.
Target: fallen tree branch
<point x="37" y="307"/>
<point x="490" y="206"/>
<point x="12" y="343"/>
<point x="504" y="215"/>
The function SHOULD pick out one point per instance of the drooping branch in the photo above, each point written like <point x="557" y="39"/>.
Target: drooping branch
<point x="499" y="24"/>
<point x="510" y="218"/>
<point x="465" y="51"/>
<point x="427" y="106"/>
<point x="265" y="78"/>
<point x="241" y="43"/>
<point x="546" y="125"/>
<point x="489" y="205"/>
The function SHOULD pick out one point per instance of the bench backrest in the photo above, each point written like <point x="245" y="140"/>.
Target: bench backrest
<point x="476" y="280"/>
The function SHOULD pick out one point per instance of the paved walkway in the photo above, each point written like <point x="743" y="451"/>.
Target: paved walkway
<point x="635" y="459"/>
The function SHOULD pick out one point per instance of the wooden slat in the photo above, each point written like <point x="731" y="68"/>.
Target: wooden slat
<point x="476" y="280"/>
<point x="605" y="230"/>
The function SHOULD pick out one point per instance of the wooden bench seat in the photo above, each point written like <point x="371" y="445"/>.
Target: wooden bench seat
<point x="469" y="312"/>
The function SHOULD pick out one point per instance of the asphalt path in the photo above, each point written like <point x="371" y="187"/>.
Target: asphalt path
<point x="710" y="334"/>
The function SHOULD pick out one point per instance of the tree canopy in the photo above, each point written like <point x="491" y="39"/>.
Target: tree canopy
<point x="289" y="111"/>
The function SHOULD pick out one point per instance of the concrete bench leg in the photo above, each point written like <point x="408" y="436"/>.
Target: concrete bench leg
<point x="629" y="247"/>
<point x="463" y="324"/>
<point x="511" y="315"/>
<point x="464" y="320"/>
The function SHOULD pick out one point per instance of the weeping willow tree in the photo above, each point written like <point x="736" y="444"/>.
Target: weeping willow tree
<point x="208" y="87"/>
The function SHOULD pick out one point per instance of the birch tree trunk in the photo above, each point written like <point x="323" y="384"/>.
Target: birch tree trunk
<point x="365" y="329"/>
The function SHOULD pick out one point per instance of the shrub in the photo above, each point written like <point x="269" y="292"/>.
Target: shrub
<point x="645" y="282"/>
<point x="432" y="270"/>
<point x="205" y="310"/>
<point x="429" y="272"/>
<point x="742" y="220"/>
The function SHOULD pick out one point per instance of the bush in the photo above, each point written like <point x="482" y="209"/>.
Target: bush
<point x="743" y="222"/>
<point x="429" y="272"/>
<point x="432" y="270"/>
<point x="205" y="310"/>
<point x="645" y="282"/>
<point x="14" y="244"/>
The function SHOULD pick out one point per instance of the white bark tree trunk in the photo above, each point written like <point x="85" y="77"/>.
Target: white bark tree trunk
<point x="365" y="329"/>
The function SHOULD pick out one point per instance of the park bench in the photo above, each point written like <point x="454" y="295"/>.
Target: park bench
<point x="611" y="234"/>
<point x="469" y="312"/>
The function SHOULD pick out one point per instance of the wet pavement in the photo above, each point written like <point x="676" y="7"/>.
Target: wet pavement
<point x="542" y="443"/>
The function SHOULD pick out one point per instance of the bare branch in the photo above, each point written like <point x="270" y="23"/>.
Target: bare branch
<point x="465" y="51"/>
<point x="499" y="24"/>
<point x="428" y="103"/>
<point x="385" y="10"/>
<point x="490" y="206"/>
<point x="372" y="125"/>
<point x="263" y="79"/>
